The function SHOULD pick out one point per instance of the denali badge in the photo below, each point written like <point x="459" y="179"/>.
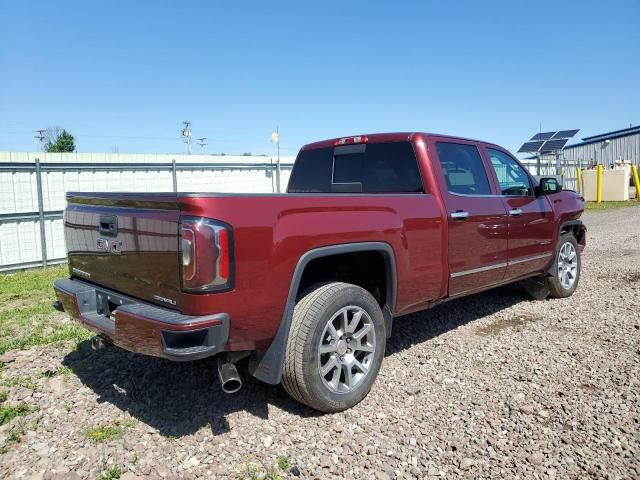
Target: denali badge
<point x="109" y="246"/>
<point x="164" y="299"/>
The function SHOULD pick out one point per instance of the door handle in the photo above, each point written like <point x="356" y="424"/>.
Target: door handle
<point x="515" y="212"/>
<point x="460" y="215"/>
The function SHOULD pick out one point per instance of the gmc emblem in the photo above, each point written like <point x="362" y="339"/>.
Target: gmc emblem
<point x="109" y="246"/>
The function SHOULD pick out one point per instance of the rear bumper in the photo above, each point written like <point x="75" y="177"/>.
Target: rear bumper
<point x="140" y="327"/>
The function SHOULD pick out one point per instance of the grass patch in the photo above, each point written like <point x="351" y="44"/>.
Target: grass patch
<point x="24" y="381"/>
<point x="610" y="205"/>
<point x="64" y="371"/>
<point x="12" y="438"/>
<point x="26" y="316"/>
<point x="104" y="433"/>
<point x="111" y="474"/>
<point x="253" y="471"/>
<point x="3" y="397"/>
<point x="9" y="413"/>
<point x="283" y="462"/>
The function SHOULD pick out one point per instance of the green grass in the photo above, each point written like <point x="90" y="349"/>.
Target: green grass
<point x="283" y="462"/>
<point x="111" y="474"/>
<point x="64" y="371"/>
<point x="253" y="471"/>
<point x="26" y="316"/>
<point x="12" y="438"/>
<point x="104" y="433"/>
<point x="20" y="381"/>
<point x="610" y="205"/>
<point x="9" y="413"/>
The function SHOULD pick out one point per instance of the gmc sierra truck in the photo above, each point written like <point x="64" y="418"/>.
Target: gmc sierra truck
<point x="304" y="286"/>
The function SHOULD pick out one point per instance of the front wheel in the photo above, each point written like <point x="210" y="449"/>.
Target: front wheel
<point x="335" y="347"/>
<point x="568" y="265"/>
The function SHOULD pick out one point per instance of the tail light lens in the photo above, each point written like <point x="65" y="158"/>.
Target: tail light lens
<point x="206" y="253"/>
<point x="351" y="140"/>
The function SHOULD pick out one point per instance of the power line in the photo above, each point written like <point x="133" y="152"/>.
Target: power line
<point x="140" y="137"/>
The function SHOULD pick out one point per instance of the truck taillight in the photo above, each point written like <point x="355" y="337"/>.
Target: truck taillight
<point x="206" y="254"/>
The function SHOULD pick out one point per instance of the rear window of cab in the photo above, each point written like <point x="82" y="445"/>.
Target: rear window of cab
<point x="389" y="167"/>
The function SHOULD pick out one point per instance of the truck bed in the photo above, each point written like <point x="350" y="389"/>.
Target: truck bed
<point x="270" y="234"/>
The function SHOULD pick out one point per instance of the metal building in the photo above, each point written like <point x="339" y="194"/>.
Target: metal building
<point x="606" y="149"/>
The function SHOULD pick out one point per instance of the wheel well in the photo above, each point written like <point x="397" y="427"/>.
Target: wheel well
<point x="367" y="269"/>
<point x="577" y="230"/>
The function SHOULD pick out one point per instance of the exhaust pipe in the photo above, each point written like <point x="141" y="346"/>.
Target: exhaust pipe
<point x="229" y="378"/>
<point x="98" y="343"/>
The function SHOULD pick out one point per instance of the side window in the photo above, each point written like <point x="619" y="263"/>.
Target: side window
<point x="514" y="181"/>
<point x="312" y="171"/>
<point x="463" y="169"/>
<point x="379" y="168"/>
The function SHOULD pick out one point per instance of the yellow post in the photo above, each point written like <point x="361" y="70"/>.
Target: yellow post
<point x="636" y="181"/>
<point x="599" y="185"/>
<point x="579" y="179"/>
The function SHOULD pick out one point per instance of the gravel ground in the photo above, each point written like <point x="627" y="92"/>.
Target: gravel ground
<point x="491" y="386"/>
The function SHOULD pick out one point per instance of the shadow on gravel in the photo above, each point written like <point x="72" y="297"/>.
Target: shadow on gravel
<point x="423" y="326"/>
<point x="179" y="399"/>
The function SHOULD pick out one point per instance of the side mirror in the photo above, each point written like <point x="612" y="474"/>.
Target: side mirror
<point x="550" y="185"/>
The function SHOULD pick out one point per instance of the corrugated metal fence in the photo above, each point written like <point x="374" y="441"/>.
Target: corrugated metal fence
<point x="32" y="196"/>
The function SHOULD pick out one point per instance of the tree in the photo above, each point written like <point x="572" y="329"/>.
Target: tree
<point x="58" y="140"/>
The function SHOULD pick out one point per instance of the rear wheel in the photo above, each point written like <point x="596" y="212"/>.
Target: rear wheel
<point x="568" y="265"/>
<point x="335" y="347"/>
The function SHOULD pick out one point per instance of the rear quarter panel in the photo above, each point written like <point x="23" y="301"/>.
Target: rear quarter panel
<point x="272" y="232"/>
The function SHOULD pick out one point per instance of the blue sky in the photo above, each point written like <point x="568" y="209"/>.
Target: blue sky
<point x="127" y="73"/>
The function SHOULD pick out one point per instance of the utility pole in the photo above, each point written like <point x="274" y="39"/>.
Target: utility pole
<point x="41" y="137"/>
<point x="275" y="138"/>
<point x="202" y="142"/>
<point x="186" y="133"/>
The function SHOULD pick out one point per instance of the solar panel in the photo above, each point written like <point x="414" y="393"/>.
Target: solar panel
<point x="551" y="145"/>
<point x="530" y="147"/>
<point x="542" y="136"/>
<point x="565" y="134"/>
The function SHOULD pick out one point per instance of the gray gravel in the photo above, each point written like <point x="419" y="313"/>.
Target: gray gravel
<point x="492" y="386"/>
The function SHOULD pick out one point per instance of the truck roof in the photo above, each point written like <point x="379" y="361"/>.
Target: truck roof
<point x="388" y="137"/>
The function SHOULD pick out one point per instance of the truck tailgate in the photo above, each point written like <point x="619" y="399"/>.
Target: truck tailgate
<point x="126" y="242"/>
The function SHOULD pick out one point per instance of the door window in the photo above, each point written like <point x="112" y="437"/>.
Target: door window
<point x="463" y="169"/>
<point x="513" y="179"/>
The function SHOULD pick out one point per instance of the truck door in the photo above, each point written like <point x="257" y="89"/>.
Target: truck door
<point x="477" y="217"/>
<point x="530" y="219"/>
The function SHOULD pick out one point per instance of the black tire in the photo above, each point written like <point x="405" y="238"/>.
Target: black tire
<point x="301" y="377"/>
<point x="554" y="284"/>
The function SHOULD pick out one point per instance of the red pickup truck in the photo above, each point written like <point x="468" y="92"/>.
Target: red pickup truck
<point x="305" y="285"/>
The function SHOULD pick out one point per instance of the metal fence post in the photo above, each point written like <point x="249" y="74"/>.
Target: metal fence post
<point x="174" y="175"/>
<point x="278" y="175"/>
<point x="43" y="236"/>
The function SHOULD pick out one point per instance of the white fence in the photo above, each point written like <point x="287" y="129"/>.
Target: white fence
<point x="32" y="191"/>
